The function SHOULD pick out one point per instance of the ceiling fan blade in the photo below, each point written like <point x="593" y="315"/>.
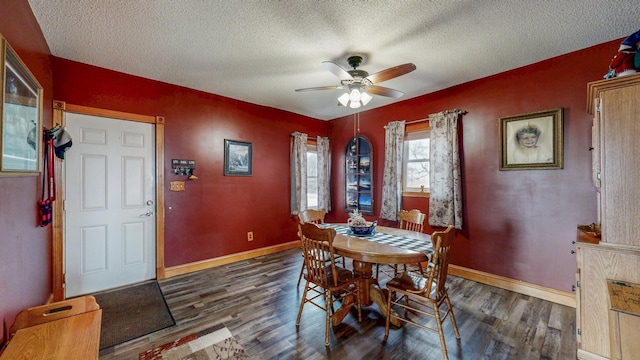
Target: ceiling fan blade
<point x="384" y="91"/>
<point x="320" y="88"/>
<point x="391" y="73"/>
<point x="341" y="73"/>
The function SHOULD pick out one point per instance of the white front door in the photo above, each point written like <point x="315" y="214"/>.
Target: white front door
<point x="110" y="203"/>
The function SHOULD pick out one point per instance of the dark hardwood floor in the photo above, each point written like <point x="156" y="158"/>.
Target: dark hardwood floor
<point x="258" y="301"/>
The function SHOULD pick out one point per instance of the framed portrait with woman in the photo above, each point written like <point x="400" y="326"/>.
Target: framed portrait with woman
<point x="531" y="141"/>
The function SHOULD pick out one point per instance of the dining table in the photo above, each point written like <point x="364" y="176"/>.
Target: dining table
<point x="386" y="245"/>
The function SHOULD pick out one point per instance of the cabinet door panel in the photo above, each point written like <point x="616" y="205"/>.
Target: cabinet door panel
<point x="620" y="161"/>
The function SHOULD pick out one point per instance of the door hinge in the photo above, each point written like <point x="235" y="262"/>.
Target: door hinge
<point x="598" y="108"/>
<point x="578" y="283"/>
<point x="64" y="205"/>
<point x="579" y="331"/>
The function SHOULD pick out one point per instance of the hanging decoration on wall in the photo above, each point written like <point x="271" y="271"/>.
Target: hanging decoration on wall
<point x="182" y="167"/>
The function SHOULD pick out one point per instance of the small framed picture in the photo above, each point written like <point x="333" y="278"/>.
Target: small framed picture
<point x="531" y="141"/>
<point x="237" y="158"/>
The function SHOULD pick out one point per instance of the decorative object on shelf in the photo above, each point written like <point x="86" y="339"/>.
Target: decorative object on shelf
<point x="21" y="117"/>
<point x="359" y="85"/>
<point x="237" y="158"/>
<point x="531" y="141"/>
<point x="627" y="60"/>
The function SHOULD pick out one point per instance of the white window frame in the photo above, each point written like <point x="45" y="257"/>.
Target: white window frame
<point x="409" y="136"/>
<point x="312" y="148"/>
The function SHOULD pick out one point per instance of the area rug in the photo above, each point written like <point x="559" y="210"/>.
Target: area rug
<point x="131" y="312"/>
<point x="215" y="343"/>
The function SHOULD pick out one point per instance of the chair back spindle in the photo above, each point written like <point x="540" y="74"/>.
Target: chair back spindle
<point x="412" y="220"/>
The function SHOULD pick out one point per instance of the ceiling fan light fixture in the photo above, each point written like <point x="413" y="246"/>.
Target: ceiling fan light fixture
<point x="354" y="104"/>
<point x="355" y="95"/>
<point x="344" y="99"/>
<point x="365" y="98"/>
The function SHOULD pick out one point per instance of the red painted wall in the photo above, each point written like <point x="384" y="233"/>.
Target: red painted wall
<point x="517" y="224"/>
<point x="25" y="275"/>
<point x="212" y="216"/>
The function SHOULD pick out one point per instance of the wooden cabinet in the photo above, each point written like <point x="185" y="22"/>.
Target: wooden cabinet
<point x="616" y="110"/>
<point x="596" y="331"/>
<point x="615" y="106"/>
<point x="359" y="175"/>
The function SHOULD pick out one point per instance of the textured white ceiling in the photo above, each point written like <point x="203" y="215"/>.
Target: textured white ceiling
<point x="261" y="51"/>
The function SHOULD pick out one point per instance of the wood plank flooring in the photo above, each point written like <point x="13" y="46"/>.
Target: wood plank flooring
<point x="258" y="301"/>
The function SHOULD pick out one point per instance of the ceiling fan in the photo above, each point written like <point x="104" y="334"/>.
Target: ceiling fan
<point x="360" y="84"/>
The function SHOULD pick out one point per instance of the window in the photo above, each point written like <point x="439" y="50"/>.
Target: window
<point x="312" y="176"/>
<point x="415" y="172"/>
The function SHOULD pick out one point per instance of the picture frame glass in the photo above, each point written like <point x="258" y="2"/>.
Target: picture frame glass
<point x="21" y="118"/>
<point x="531" y="141"/>
<point x="237" y="158"/>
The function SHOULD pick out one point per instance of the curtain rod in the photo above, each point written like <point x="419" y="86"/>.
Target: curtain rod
<point x="463" y="112"/>
<point x="308" y="137"/>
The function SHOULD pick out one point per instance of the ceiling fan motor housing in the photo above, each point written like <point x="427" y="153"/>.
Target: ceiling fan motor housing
<point x="358" y="74"/>
<point x="354" y="61"/>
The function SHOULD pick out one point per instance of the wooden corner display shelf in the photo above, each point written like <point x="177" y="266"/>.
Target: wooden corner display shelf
<point x="359" y="175"/>
<point x="607" y="325"/>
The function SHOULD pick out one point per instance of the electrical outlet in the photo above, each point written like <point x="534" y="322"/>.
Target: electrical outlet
<point x="250" y="236"/>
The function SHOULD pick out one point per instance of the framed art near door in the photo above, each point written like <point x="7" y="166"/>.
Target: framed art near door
<point x="237" y="158"/>
<point x="21" y="120"/>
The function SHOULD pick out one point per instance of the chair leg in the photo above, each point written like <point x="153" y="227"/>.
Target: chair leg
<point x="436" y="311"/>
<point x="358" y="302"/>
<point x="453" y="317"/>
<point x="388" y="317"/>
<point x="329" y="305"/>
<point x="301" y="272"/>
<point x="302" y="301"/>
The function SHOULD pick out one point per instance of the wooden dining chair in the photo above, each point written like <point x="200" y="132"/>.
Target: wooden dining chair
<point x="316" y="217"/>
<point x="324" y="278"/>
<point x="412" y="220"/>
<point x="425" y="294"/>
<point x="49" y="312"/>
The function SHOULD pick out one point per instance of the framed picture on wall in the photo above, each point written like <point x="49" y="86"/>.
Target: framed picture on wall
<point x="531" y="141"/>
<point x="21" y="117"/>
<point x="237" y="158"/>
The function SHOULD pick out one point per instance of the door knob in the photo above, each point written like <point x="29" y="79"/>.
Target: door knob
<point x="148" y="213"/>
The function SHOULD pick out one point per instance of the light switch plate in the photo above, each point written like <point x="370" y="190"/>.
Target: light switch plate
<point x="177" y="186"/>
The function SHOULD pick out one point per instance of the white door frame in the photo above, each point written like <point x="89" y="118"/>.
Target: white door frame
<point x="57" y="248"/>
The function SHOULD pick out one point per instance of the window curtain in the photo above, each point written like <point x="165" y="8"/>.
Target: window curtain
<point x="392" y="181"/>
<point x="298" y="172"/>
<point x="445" y="199"/>
<point x="324" y="173"/>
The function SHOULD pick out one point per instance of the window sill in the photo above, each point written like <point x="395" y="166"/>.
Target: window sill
<point x="424" y="194"/>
